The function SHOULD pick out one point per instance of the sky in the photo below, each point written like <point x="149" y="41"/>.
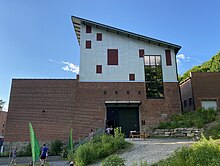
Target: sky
<point x="37" y="39"/>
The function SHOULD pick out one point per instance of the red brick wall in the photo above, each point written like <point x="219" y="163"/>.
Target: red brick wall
<point x="206" y="86"/>
<point x="29" y="98"/>
<point x="80" y="105"/>
<point x="3" y="116"/>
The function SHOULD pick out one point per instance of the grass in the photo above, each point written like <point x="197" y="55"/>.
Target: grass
<point x="190" y="119"/>
<point x="203" y="153"/>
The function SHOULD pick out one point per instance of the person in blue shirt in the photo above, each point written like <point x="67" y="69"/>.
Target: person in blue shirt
<point x="43" y="155"/>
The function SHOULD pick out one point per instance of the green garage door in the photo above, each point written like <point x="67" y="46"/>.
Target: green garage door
<point x="125" y="117"/>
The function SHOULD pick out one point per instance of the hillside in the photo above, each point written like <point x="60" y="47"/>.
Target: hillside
<point x="213" y="65"/>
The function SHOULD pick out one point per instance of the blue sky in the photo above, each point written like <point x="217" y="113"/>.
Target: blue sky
<point x="37" y="39"/>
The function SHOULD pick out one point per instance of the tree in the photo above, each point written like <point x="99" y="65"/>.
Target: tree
<point x="213" y="65"/>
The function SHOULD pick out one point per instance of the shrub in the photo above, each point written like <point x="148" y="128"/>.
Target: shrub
<point x="55" y="148"/>
<point x="99" y="147"/>
<point x="190" y="119"/>
<point x="204" y="152"/>
<point x="214" y="132"/>
<point x="113" y="160"/>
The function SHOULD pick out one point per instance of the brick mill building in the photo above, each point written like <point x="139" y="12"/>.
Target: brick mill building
<point x="125" y="79"/>
<point x="201" y="90"/>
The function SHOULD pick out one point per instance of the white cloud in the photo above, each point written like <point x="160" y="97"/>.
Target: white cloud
<point x="70" y="67"/>
<point x="181" y="56"/>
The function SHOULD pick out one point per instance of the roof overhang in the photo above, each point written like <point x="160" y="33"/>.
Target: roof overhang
<point x="77" y="21"/>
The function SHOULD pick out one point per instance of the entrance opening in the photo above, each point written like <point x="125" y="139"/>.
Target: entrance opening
<point x="125" y="117"/>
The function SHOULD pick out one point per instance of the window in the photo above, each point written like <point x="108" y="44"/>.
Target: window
<point x="98" y="69"/>
<point x="168" y="58"/>
<point x="153" y="76"/>
<point x="185" y="103"/>
<point x="141" y="53"/>
<point x="190" y="101"/>
<point x="88" y="29"/>
<point x="99" y="37"/>
<point x="88" y="44"/>
<point x="132" y="77"/>
<point x="112" y="57"/>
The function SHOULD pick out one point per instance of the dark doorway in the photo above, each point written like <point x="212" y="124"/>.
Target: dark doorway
<point x="125" y="117"/>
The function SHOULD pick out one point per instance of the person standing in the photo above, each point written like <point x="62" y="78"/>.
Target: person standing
<point x="43" y="155"/>
<point x="13" y="155"/>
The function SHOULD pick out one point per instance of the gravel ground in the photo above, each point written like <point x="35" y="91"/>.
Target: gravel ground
<point x="151" y="150"/>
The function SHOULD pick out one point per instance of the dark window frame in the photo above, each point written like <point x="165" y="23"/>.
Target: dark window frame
<point x="168" y="58"/>
<point x="98" y="69"/>
<point x="112" y="56"/>
<point x="132" y="77"/>
<point x="99" y="36"/>
<point x="88" y="29"/>
<point x="141" y="53"/>
<point x="88" y="44"/>
<point x="153" y="76"/>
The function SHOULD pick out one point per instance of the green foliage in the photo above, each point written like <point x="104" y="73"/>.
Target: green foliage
<point x="205" y="152"/>
<point x="97" y="148"/>
<point x="4" y="154"/>
<point x="113" y="160"/>
<point x="26" y="152"/>
<point x="55" y="148"/>
<point x="214" y="132"/>
<point x="213" y="65"/>
<point x="142" y="163"/>
<point x="190" y="119"/>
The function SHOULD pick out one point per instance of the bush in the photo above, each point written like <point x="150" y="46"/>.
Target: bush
<point x="205" y="152"/>
<point x="113" y="160"/>
<point x="99" y="147"/>
<point x="55" y="148"/>
<point x="214" y="132"/>
<point x="190" y="119"/>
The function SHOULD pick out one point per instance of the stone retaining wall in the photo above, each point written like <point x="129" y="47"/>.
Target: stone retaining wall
<point x="179" y="132"/>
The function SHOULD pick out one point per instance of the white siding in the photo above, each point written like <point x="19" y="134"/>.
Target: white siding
<point x="128" y="58"/>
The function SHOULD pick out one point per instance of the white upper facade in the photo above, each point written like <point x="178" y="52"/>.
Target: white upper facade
<point x="129" y="61"/>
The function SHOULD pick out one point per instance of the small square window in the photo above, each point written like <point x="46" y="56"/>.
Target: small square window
<point x="99" y="37"/>
<point x="132" y="77"/>
<point x="98" y="69"/>
<point x="88" y="44"/>
<point x="88" y="29"/>
<point x="141" y="53"/>
<point x="112" y="57"/>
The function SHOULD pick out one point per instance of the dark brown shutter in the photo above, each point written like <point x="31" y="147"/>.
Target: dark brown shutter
<point x="99" y="37"/>
<point x="168" y="58"/>
<point x="98" y="68"/>
<point x="88" y="29"/>
<point x="112" y="57"/>
<point x="132" y="77"/>
<point x="141" y="53"/>
<point x="88" y="44"/>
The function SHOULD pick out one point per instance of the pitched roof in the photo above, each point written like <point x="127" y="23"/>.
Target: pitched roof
<point x="77" y="21"/>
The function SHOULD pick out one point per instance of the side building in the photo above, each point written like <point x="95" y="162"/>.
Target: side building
<point x="201" y="90"/>
<point x="125" y="80"/>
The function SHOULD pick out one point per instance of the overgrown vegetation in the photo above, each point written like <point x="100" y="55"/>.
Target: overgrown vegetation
<point x="99" y="147"/>
<point x="214" y="132"/>
<point x="213" y="65"/>
<point x="190" y="119"/>
<point x="113" y="160"/>
<point x="203" y="153"/>
<point x="56" y="147"/>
